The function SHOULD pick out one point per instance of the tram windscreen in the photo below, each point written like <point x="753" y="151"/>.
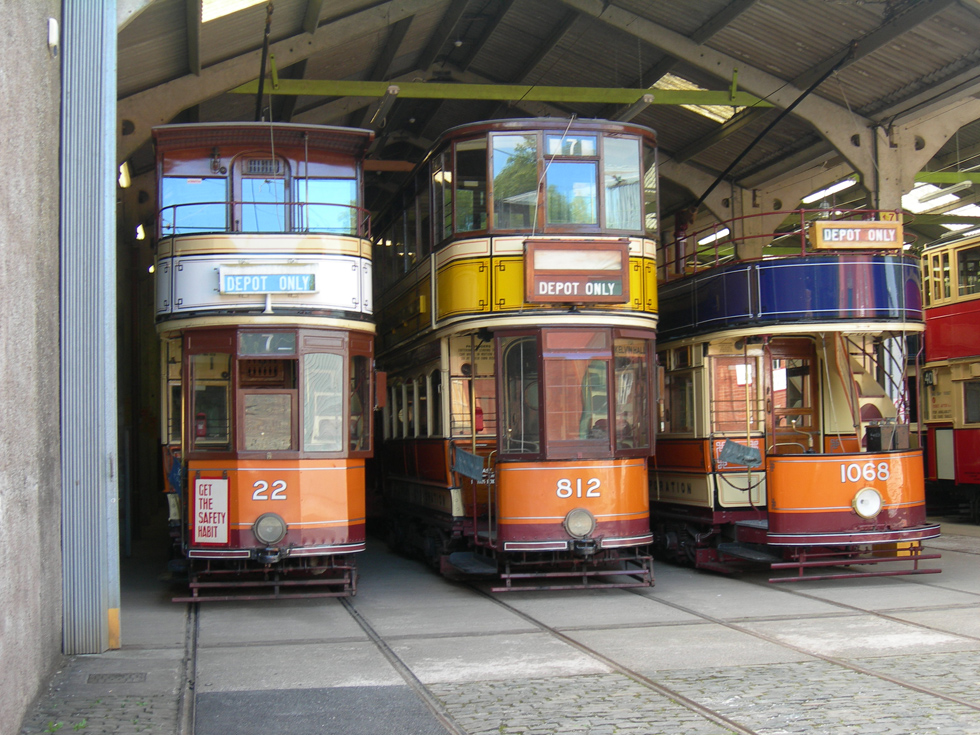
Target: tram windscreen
<point x="621" y="178"/>
<point x="326" y="205"/>
<point x="195" y="204"/>
<point x="515" y="181"/>
<point x="576" y="369"/>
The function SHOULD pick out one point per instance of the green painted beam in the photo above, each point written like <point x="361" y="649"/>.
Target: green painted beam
<point x="947" y="177"/>
<point x="504" y="92"/>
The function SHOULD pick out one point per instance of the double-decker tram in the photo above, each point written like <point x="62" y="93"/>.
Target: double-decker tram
<point x="263" y="306"/>
<point x="785" y="419"/>
<point x="517" y="282"/>
<point x="951" y="377"/>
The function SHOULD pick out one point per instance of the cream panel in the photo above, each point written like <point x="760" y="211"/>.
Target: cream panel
<point x="732" y="488"/>
<point x="681" y="488"/>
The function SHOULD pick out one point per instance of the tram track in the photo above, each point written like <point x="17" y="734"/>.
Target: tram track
<point x="187" y="698"/>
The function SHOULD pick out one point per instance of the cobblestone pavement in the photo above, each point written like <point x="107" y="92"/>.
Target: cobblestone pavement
<point x="148" y="714"/>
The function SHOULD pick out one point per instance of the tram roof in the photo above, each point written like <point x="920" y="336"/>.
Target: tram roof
<point x="903" y="67"/>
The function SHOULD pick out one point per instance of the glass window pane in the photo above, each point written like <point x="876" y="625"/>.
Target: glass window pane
<point x="971" y="402"/>
<point x="193" y="205"/>
<point x="632" y="408"/>
<point x="570" y="145"/>
<point x="515" y="181"/>
<point x="471" y="185"/>
<point x="577" y="400"/>
<point x="650" y="199"/>
<point x="263" y="207"/>
<point x="268" y="422"/>
<point x="969" y="270"/>
<point x="621" y="177"/>
<point x="521" y="433"/>
<point x="326" y="205"/>
<point x="323" y="403"/>
<point x="731" y="377"/>
<point x="679" y="409"/>
<point x="572" y="193"/>
<point x="359" y="398"/>
<point x="211" y="380"/>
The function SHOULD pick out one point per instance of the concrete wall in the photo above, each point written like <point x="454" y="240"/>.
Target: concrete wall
<point x="30" y="492"/>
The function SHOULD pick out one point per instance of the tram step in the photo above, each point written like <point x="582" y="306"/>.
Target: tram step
<point x="469" y="563"/>
<point x="749" y="553"/>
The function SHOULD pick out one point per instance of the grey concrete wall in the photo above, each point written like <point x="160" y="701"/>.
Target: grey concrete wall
<point x="30" y="492"/>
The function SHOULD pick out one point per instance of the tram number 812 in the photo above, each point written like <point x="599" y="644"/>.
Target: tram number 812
<point x="565" y="489"/>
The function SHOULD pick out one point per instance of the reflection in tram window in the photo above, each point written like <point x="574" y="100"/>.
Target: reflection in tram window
<point x="520" y="381"/>
<point x="330" y="206"/>
<point x="734" y="394"/>
<point x="632" y="408"/>
<point x="577" y="392"/>
<point x="211" y="379"/>
<point x="969" y="270"/>
<point x="263" y="205"/>
<point x="191" y="205"/>
<point x="572" y="193"/>
<point x="358" y="400"/>
<point x="323" y="425"/>
<point x="621" y="177"/>
<point x="471" y="185"/>
<point x="515" y="181"/>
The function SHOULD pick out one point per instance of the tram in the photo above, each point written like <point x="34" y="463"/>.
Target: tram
<point x="264" y="309"/>
<point x="951" y="378"/>
<point x="784" y="406"/>
<point x="517" y="324"/>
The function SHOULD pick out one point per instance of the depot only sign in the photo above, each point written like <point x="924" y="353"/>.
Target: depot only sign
<point x="267" y="279"/>
<point x="576" y="272"/>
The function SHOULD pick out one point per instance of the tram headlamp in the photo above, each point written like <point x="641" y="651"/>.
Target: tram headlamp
<point x="269" y="528"/>
<point x="579" y="523"/>
<point x="867" y="502"/>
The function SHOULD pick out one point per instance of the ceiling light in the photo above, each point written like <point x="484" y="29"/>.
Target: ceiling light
<point x="832" y="189"/>
<point x="714" y="236"/>
<point x="954" y="189"/>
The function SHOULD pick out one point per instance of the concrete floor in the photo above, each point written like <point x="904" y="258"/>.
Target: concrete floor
<point x="413" y="653"/>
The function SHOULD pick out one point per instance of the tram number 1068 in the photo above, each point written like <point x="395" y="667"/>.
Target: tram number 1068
<point x="567" y="488"/>
<point x="869" y="472"/>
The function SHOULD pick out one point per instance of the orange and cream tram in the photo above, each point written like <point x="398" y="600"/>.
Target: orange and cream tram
<point x="785" y="410"/>
<point x="951" y="378"/>
<point x="517" y="299"/>
<point x="263" y="305"/>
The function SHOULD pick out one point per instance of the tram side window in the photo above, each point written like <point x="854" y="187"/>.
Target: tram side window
<point x="733" y="394"/>
<point x="191" y="205"/>
<point x="679" y="402"/>
<point x="471" y="185"/>
<point x="326" y="206"/>
<point x="515" y="181"/>
<point x="946" y="276"/>
<point x="422" y="390"/>
<point x="632" y="408"/>
<point x="621" y="180"/>
<point x="442" y="196"/>
<point x="971" y="402"/>
<point x="969" y="270"/>
<point x="359" y="399"/>
<point x="650" y="199"/>
<point x="435" y="391"/>
<point x="211" y="388"/>
<point x="791" y="392"/>
<point x="521" y="401"/>
<point x="471" y="374"/>
<point x="323" y="402"/>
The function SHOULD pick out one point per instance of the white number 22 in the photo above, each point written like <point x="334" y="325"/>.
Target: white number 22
<point x="278" y="490"/>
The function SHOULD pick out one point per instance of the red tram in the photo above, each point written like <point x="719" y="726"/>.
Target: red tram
<point x="263" y="306"/>
<point x="517" y="324"/>
<point x="951" y="378"/>
<point x="785" y="411"/>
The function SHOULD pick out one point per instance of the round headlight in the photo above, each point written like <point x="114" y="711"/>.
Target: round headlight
<point x="579" y="523"/>
<point x="867" y="502"/>
<point x="269" y="528"/>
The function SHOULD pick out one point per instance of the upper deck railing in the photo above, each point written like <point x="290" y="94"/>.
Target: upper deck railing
<point x="243" y="217"/>
<point x="788" y="233"/>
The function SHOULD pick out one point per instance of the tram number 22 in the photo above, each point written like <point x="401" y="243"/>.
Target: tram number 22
<point x="566" y="489"/>
<point x="868" y="472"/>
<point x="262" y="487"/>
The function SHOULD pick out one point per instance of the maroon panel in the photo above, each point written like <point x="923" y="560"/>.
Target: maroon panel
<point x="952" y="330"/>
<point x="510" y="532"/>
<point x="966" y="449"/>
<point x="842" y="521"/>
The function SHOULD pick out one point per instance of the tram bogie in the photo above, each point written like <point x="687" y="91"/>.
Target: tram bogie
<point x="785" y="421"/>
<point x="264" y="312"/>
<point x="517" y="329"/>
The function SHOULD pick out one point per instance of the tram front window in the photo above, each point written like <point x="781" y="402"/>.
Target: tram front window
<point x="195" y="204"/>
<point x="632" y="409"/>
<point x="326" y="205"/>
<point x="576" y="370"/>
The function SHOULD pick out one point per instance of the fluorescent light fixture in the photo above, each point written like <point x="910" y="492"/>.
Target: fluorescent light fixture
<point x="635" y="109"/>
<point x="714" y="236"/>
<point x="718" y="113"/>
<point x="832" y="189"/>
<point x="913" y="200"/>
<point x="391" y="94"/>
<point x="969" y="210"/>
<point x="955" y="188"/>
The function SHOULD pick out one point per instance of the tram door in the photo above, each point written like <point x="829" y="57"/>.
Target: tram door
<point x="792" y="420"/>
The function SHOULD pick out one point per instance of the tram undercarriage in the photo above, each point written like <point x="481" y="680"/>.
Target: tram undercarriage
<point x="221" y="580"/>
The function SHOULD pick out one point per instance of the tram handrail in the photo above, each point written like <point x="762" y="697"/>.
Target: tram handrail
<point x="297" y="221"/>
<point x="676" y="259"/>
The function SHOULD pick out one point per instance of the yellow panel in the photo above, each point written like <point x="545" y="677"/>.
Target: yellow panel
<point x="650" y="286"/>
<point x="508" y="283"/>
<point x="463" y="287"/>
<point x="636" y="284"/>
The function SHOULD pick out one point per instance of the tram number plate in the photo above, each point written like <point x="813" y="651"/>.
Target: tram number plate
<point x="868" y="472"/>
<point x="567" y="488"/>
<point x="261" y="490"/>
